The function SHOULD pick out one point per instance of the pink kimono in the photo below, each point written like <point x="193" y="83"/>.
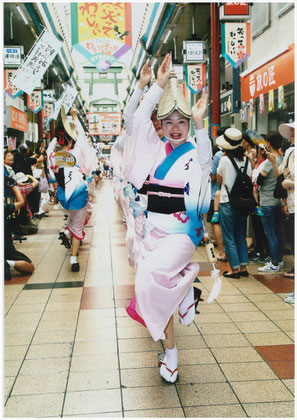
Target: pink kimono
<point x="164" y="272"/>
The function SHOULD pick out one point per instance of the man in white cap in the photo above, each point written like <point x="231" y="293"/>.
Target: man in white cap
<point x="178" y="194"/>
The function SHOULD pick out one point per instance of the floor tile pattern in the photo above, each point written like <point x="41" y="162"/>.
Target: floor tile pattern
<point x="71" y="350"/>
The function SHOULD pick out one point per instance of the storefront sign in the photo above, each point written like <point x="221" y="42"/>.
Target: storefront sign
<point x="17" y="119"/>
<point x="49" y="95"/>
<point x="195" y="77"/>
<point x="35" y="101"/>
<point x="101" y="32"/>
<point x="66" y="100"/>
<point x="179" y="71"/>
<point x="280" y="101"/>
<point x="193" y="51"/>
<point x="226" y="103"/>
<point x="12" y="56"/>
<point x="48" y="110"/>
<point x="235" y="10"/>
<point x="9" y="87"/>
<point x="236" y="42"/>
<point x="104" y="123"/>
<point x="274" y="73"/>
<point x="37" y="62"/>
<point x="271" y="100"/>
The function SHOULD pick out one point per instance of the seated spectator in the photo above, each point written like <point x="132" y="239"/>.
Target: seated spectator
<point x="27" y="225"/>
<point x="13" y="258"/>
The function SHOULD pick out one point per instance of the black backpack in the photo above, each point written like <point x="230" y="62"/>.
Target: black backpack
<point x="241" y="195"/>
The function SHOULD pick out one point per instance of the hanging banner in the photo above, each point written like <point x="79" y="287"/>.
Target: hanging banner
<point x="261" y="104"/>
<point x="37" y="62"/>
<point x="48" y="110"/>
<point x="9" y="87"/>
<point x="49" y="95"/>
<point x="251" y="107"/>
<point x="104" y="123"/>
<point x="271" y="100"/>
<point x="236" y="42"/>
<point x="195" y="77"/>
<point x="35" y="101"/>
<point x="101" y="32"/>
<point x="280" y="101"/>
<point x="11" y="142"/>
<point x="66" y="100"/>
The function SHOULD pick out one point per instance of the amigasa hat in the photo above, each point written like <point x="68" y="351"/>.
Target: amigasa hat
<point x="69" y="126"/>
<point x="285" y="129"/>
<point x="173" y="100"/>
<point x="230" y="140"/>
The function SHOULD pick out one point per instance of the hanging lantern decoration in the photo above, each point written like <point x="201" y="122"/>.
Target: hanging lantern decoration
<point x="280" y="102"/>
<point x="271" y="100"/>
<point x="261" y="104"/>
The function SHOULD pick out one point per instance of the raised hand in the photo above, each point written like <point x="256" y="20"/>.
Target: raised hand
<point x="199" y="110"/>
<point x="145" y="75"/>
<point x="73" y="112"/>
<point x="164" y="71"/>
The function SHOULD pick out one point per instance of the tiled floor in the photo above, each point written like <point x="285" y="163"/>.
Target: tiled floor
<point x="72" y="351"/>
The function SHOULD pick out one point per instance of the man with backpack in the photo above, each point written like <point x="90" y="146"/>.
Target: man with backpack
<point x="271" y="206"/>
<point x="236" y="200"/>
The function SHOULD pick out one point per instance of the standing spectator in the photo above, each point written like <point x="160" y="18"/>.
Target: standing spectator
<point x="221" y="256"/>
<point x="270" y="206"/>
<point x="288" y="169"/>
<point x="233" y="223"/>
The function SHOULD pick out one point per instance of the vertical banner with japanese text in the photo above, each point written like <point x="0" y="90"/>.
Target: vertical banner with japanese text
<point x="48" y="110"/>
<point x="101" y="32"/>
<point x="236" y="42"/>
<point x="66" y="100"/>
<point x="37" y="62"/>
<point x="195" y="77"/>
<point x="35" y="101"/>
<point x="9" y="87"/>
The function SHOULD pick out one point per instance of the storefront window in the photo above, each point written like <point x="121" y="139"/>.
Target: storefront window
<point x="260" y="18"/>
<point x="282" y="8"/>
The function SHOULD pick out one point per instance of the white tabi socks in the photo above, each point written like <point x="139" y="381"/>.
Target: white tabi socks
<point x="186" y="314"/>
<point x="168" y="369"/>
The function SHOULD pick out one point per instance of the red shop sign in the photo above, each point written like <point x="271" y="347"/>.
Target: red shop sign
<point x="236" y="8"/>
<point x="278" y="71"/>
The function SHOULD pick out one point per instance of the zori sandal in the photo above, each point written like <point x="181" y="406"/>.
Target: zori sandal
<point x="183" y="318"/>
<point x="65" y="240"/>
<point x="169" y="376"/>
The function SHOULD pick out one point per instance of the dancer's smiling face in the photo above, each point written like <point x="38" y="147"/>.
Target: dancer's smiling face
<point x="176" y="128"/>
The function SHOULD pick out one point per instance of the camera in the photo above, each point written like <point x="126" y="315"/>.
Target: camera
<point x="9" y="182"/>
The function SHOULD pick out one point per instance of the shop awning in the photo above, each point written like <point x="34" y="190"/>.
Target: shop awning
<point x="275" y="72"/>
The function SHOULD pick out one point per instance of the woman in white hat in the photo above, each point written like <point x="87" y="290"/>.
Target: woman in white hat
<point x="178" y="194"/>
<point x="233" y="222"/>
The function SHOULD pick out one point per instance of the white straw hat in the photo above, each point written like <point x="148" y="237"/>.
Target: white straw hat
<point x="69" y="126"/>
<point x="230" y="140"/>
<point x="173" y="99"/>
<point x="21" y="177"/>
<point x="285" y="129"/>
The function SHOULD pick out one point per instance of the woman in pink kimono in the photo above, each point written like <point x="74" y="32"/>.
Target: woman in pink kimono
<point x="178" y="195"/>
